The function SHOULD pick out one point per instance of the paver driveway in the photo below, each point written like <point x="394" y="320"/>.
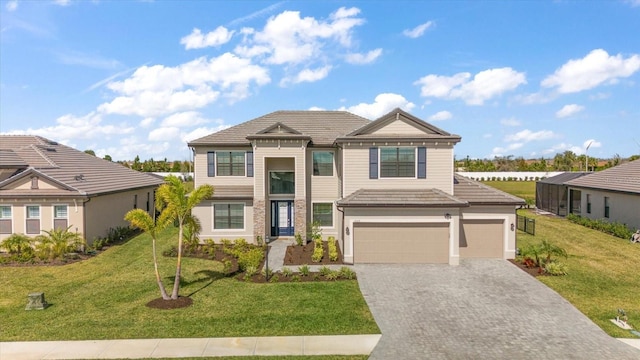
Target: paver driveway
<point x="481" y="309"/>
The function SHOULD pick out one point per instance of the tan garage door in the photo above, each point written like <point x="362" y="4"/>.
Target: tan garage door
<point x="482" y="239"/>
<point x="401" y="243"/>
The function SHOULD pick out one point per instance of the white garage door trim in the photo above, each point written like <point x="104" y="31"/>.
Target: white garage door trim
<point x="453" y="255"/>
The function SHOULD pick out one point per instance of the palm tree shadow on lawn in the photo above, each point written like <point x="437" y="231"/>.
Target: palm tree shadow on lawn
<point x="185" y="301"/>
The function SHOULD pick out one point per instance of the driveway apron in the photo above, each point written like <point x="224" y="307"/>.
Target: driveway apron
<point x="480" y="309"/>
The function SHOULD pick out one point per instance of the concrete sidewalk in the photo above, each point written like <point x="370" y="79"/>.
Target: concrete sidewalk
<point x="190" y="347"/>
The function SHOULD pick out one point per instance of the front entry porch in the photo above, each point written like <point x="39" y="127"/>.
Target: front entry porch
<point x="282" y="218"/>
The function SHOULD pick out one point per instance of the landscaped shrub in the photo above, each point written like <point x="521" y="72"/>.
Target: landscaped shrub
<point x="324" y="271"/>
<point x="304" y="270"/>
<point x="274" y="279"/>
<point x="259" y="240"/>
<point x="54" y="244"/>
<point x="286" y="272"/>
<point x="333" y="248"/>
<point x="18" y="244"/>
<point x="298" y="239"/>
<point x="346" y="273"/>
<point x="250" y="258"/>
<point x="612" y="228"/>
<point x="318" y="251"/>
<point x="542" y="254"/>
<point x="333" y="275"/>
<point x="555" y="268"/>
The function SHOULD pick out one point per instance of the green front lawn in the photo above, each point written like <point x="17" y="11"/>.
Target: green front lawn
<point x="104" y="298"/>
<point x="603" y="271"/>
<point x="521" y="189"/>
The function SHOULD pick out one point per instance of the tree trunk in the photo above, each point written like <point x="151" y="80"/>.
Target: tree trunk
<point x="163" y="291"/>
<point x="176" y="282"/>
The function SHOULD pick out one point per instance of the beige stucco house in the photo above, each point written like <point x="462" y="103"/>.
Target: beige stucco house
<point x="46" y="185"/>
<point x="386" y="189"/>
<point x="612" y="194"/>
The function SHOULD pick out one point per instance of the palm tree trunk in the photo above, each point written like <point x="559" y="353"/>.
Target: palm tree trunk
<point x="163" y="291"/>
<point x="176" y="282"/>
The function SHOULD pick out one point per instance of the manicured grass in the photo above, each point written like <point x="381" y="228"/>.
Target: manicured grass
<point x="104" y="298"/>
<point x="603" y="271"/>
<point x="521" y="189"/>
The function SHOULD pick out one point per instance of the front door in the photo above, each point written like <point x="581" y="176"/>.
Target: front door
<point x="282" y="218"/>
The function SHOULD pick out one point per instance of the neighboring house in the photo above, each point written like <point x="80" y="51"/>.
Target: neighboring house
<point x="612" y="194"/>
<point x="45" y="185"/>
<point x="552" y="194"/>
<point x="385" y="189"/>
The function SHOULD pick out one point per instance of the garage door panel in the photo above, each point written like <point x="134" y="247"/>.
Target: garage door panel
<point x="401" y="242"/>
<point x="482" y="238"/>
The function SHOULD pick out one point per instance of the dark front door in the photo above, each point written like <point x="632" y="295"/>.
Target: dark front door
<point x="282" y="218"/>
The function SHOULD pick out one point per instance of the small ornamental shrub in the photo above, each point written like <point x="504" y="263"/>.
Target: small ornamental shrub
<point x="250" y="271"/>
<point x="304" y="270"/>
<point x="612" y="228"/>
<point x="316" y="277"/>
<point x="226" y="266"/>
<point x="295" y="278"/>
<point x="324" y="271"/>
<point x="250" y="258"/>
<point x="18" y="244"/>
<point x="286" y="272"/>
<point x="333" y="275"/>
<point x="346" y="273"/>
<point x="240" y="244"/>
<point x="226" y="243"/>
<point x="318" y="252"/>
<point x="555" y="268"/>
<point x="267" y="272"/>
<point x="333" y="248"/>
<point x="274" y="279"/>
<point x="298" y="239"/>
<point x="259" y="240"/>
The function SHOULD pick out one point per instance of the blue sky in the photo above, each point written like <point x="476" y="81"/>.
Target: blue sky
<point x="128" y="78"/>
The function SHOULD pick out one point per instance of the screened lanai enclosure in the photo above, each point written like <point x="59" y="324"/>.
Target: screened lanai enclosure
<point x="553" y="195"/>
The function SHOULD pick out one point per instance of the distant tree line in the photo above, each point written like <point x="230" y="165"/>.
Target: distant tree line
<point x="566" y="161"/>
<point x="152" y="165"/>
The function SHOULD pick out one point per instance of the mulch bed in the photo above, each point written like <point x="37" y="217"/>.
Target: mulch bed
<point x="6" y="260"/>
<point x="162" y="304"/>
<point x="533" y="271"/>
<point x="301" y="254"/>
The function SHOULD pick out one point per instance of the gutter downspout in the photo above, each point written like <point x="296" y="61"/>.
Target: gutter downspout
<point x="341" y="194"/>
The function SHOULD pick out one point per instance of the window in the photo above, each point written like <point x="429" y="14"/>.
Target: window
<point x="322" y="163"/>
<point x="606" y="207"/>
<point x="228" y="216"/>
<point x="281" y="182"/>
<point x="33" y="219"/>
<point x="211" y="164"/>
<point x="60" y="217"/>
<point x="323" y="214"/>
<point x="230" y="163"/>
<point x="5" y="219"/>
<point x="398" y="162"/>
<point x="588" y="203"/>
<point x="135" y="201"/>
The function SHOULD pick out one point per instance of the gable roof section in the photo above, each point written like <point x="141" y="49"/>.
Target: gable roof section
<point x="476" y="193"/>
<point x="71" y="168"/>
<point x="621" y="178"/>
<point x="401" y="198"/>
<point x="321" y="127"/>
<point x="424" y="130"/>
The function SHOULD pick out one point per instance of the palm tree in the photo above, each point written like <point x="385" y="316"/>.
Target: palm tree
<point x="142" y="220"/>
<point x="176" y="206"/>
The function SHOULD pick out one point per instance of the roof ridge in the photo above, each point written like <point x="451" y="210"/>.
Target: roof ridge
<point x="44" y="156"/>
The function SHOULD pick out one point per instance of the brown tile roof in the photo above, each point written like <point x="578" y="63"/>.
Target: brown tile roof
<point x="323" y="127"/>
<point x="401" y="198"/>
<point x="560" y="179"/>
<point x="9" y="159"/>
<point x="622" y="178"/>
<point x="88" y="174"/>
<point x="477" y="193"/>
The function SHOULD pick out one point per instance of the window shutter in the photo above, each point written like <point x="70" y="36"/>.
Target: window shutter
<point x="422" y="163"/>
<point x="249" y="163"/>
<point x="211" y="164"/>
<point x="373" y="163"/>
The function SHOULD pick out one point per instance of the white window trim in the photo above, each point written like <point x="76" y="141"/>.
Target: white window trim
<point x="54" y="217"/>
<point x="215" y="163"/>
<point x="334" y="167"/>
<point x="9" y="218"/>
<point x="333" y="212"/>
<point x="415" y="162"/>
<point x="213" y="216"/>
<point x="26" y="218"/>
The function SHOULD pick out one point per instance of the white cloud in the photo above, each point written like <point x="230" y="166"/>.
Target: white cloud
<point x="197" y="40"/>
<point x="535" y="98"/>
<point x="62" y="2"/>
<point x="562" y="147"/>
<point x="316" y="108"/>
<point x="307" y="75"/>
<point x="164" y="134"/>
<point x="146" y="122"/>
<point x="600" y="95"/>
<point x="441" y="115"/>
<point x="591" y="143"/>
<point x="159" y="90"/>
<point x="528" y="135"/>
<point x="510" y="122"/>
<point x="11" y="5"/>
<point x="69" y="127"/>
<point x="360" y="59"/>
<point x="88" y="60"/>
<point x="382" y="104"/>
<point x="418" y="30"/>
<point x="484" y="85"/>
<point x="595" y="69"/>
<point x="129" y="147"/>
<point x="201" y="132"/>
<point x="569" y="110"/>
<point x="289" y="39"/>
<point x="184" y="119"/>
<point x="503" y="151"/>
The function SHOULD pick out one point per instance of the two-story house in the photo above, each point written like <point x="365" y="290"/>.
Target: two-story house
<point x="386" y="189"/>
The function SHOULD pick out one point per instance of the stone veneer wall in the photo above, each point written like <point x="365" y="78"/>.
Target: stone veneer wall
<point x="300" y="225"/>
<point x="259" y="217"/>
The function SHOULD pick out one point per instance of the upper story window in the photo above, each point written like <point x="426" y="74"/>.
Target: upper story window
<point x="282" y="182"/>
<point x="398" y="162"/>
<point x="322" y="163"/>
<point x="230" y="163"/>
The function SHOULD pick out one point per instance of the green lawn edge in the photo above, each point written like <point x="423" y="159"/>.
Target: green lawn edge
<point x="104" y="298"/>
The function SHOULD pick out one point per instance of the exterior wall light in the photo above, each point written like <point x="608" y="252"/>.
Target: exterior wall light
<point x="447" y="216"/>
